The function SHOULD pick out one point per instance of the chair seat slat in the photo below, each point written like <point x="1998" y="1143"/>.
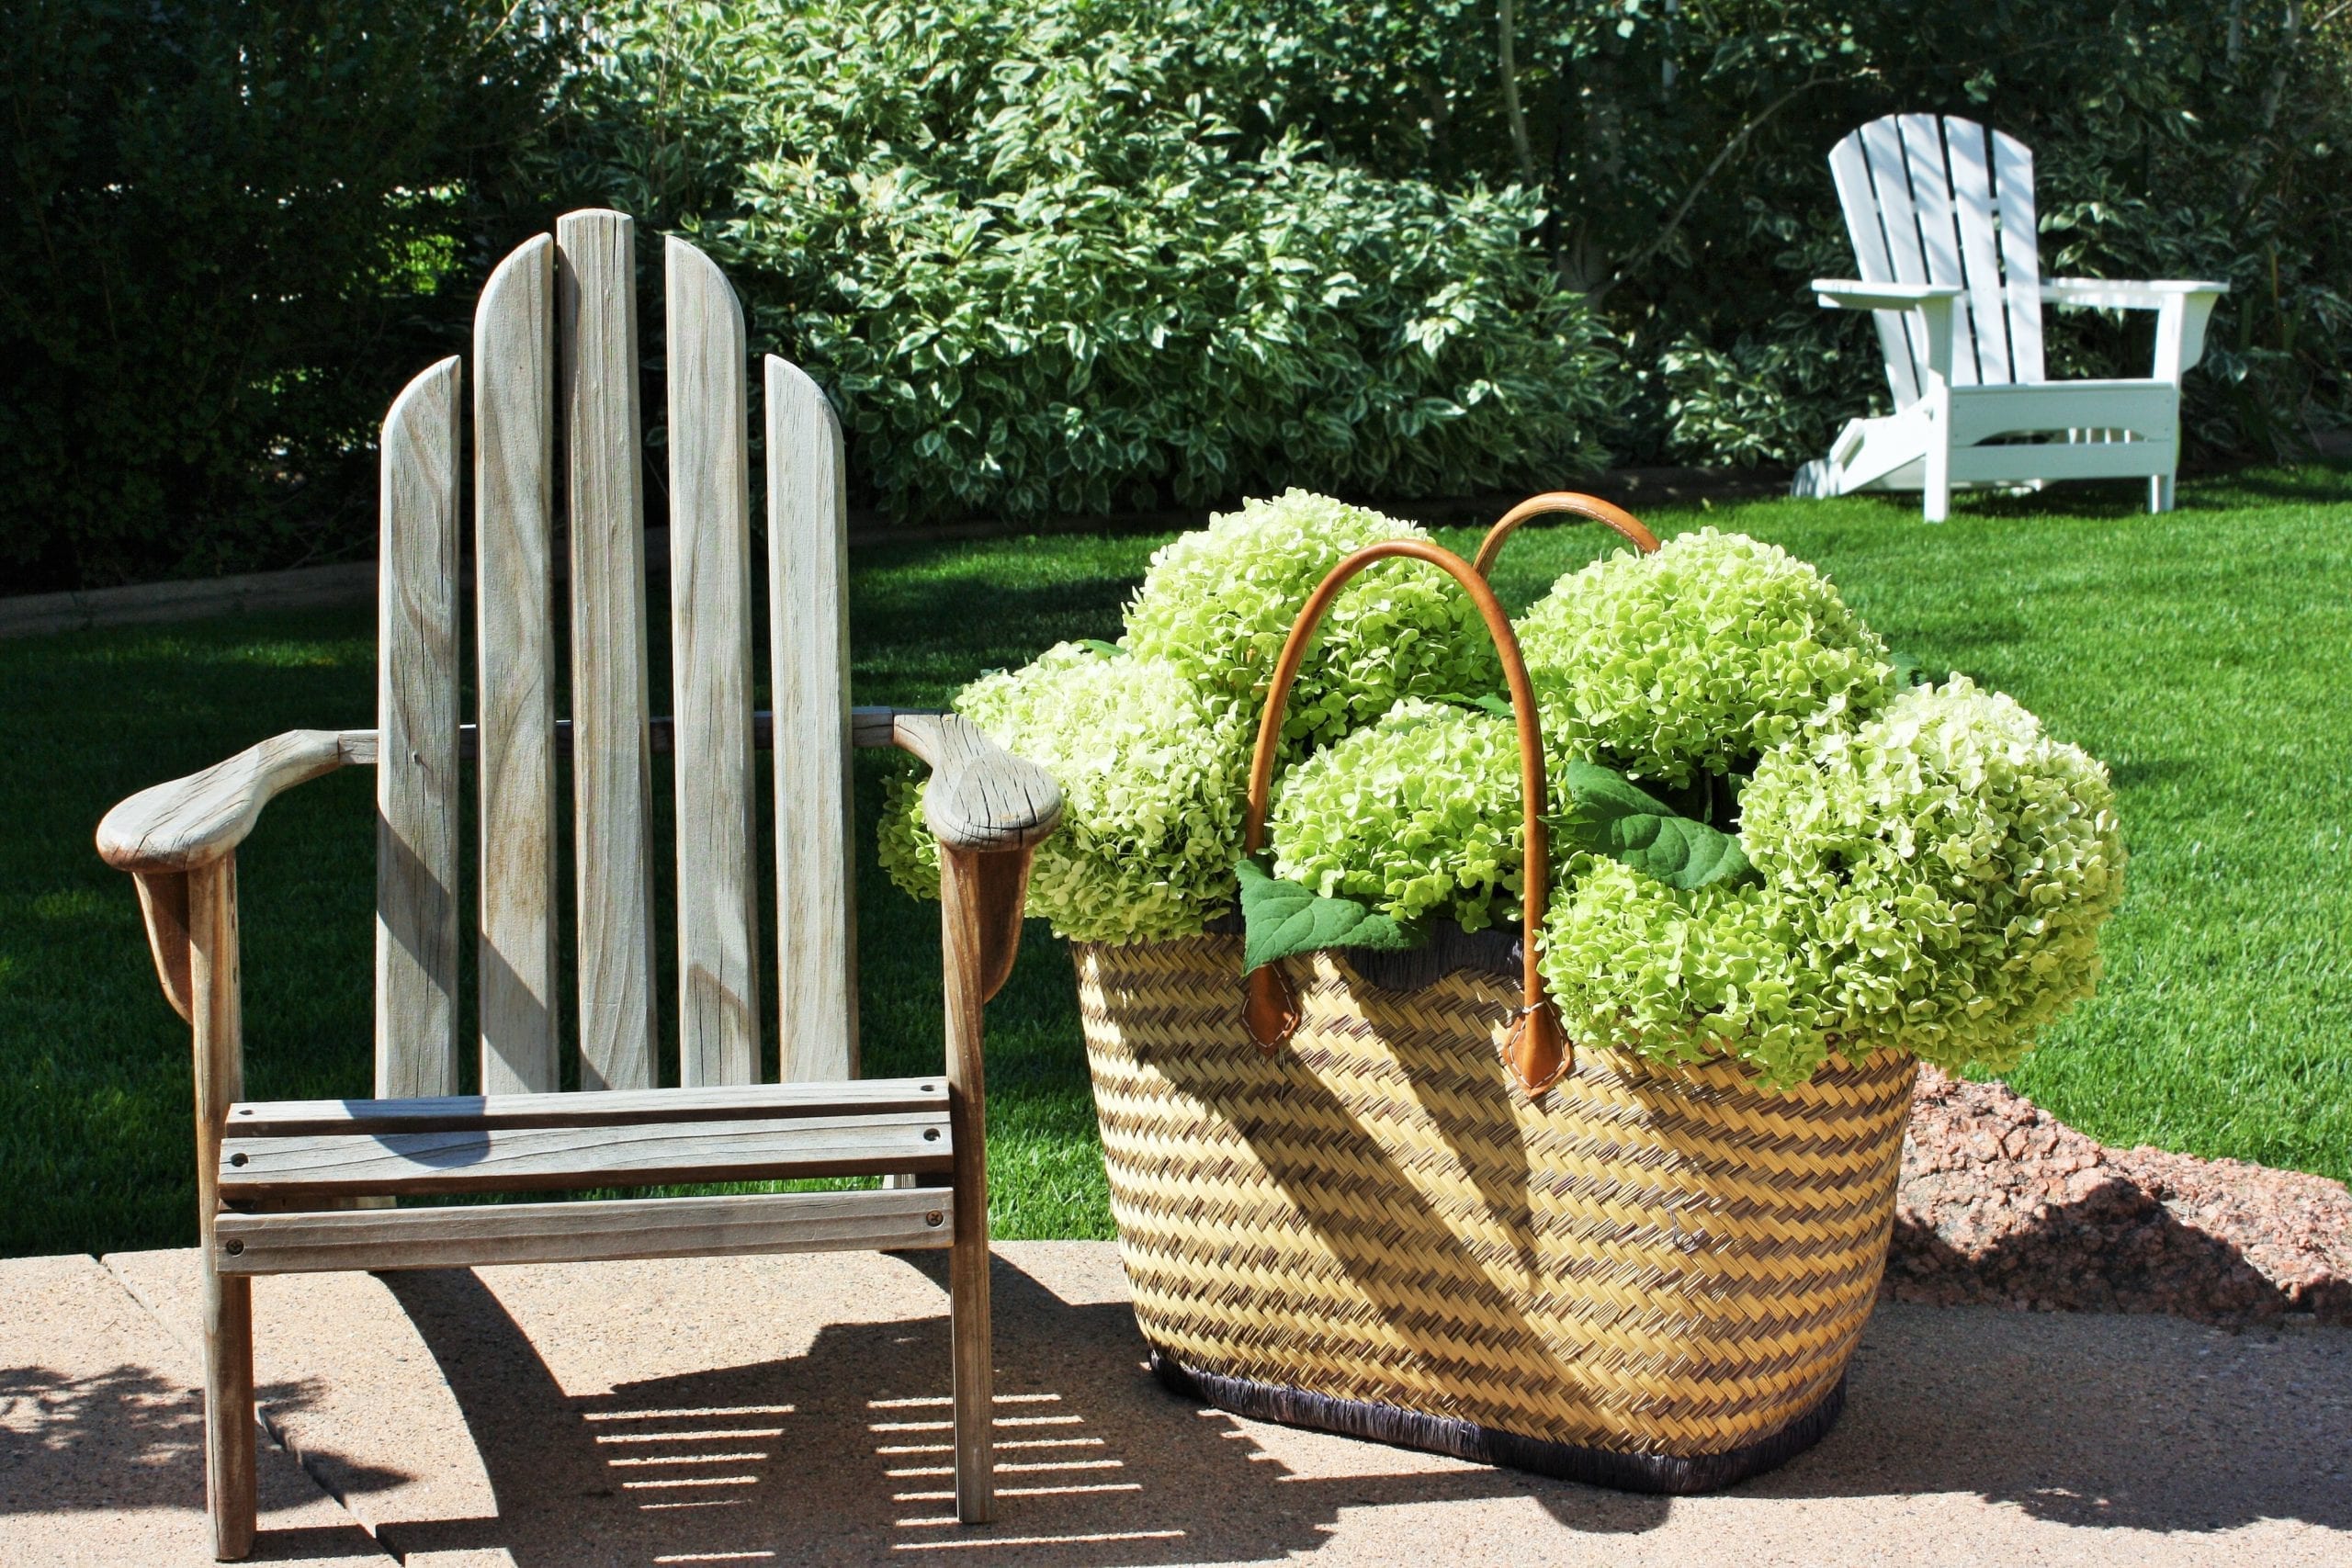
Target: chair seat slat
<point x="901" y="1219"/>
<point x="513" y="1159"/>
<point x="271" y="1119"/>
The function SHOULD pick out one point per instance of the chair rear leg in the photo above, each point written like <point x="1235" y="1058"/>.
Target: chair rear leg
<point x="231" y="1493"/>
<point x="969" y="1329"/>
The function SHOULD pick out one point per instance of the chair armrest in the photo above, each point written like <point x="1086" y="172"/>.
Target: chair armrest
<point x="2110" y="294"/>
<point x="982" y="798"/>
<point x="194" y="821"/>
<point x="1846" y="294"/>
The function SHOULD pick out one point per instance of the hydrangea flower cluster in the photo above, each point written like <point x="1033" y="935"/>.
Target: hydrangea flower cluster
<point x="1698" y="659"/>
<point x="1418" y="814"/>
<point x="1152" y="777"/>
<point x="1932" y="880"/>
<point x="1218" y="603"/>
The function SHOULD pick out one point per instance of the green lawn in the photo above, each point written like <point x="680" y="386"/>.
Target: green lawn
<point x="2202" y="654"/>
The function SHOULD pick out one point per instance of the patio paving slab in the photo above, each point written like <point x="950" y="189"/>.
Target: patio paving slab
<point x="101" y="1429"/>
<point x="792" y="1410"/>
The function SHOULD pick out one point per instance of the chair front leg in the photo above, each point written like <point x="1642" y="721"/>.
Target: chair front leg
<point x="216" y="1013"/>
<point x="981" y="897"/>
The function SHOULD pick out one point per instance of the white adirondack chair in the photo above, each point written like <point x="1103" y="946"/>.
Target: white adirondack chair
<point x="1944" y="238"/>
<point x="308" y="1185"/>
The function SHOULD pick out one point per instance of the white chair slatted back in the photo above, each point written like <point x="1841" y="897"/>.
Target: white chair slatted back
<point x="1923" y="203"/>
<point x="809" y="649"/>
<point x="612" y="744"/>
<point x="555" y="347"/>
<point x="516" y="967"/>
<point x="416" y="717"/>
<point x="710" y="658"/>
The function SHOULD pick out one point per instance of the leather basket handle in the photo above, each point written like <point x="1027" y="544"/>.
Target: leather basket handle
<point x="1536" y="1048"/>
<point x="1591" y="508"/>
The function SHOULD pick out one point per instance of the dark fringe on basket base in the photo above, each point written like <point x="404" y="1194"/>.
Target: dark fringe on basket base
<point x="1672" y="1474"/>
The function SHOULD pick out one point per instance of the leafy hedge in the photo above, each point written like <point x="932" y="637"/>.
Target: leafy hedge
<point x="1030" y="252"/>
<point x="232" y="228"/>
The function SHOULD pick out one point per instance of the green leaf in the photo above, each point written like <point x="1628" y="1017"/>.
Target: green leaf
<point x="1107" y="650"/>
<point x="1615" y="818"/>
<point x="1910" y="671"/>
<point x="1280" y="918"/>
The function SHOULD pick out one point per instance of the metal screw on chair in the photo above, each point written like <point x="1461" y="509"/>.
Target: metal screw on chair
<point x="236" y="1247"/>
<point x="931" y="1135"/>
<point x="237" y="1160"/>
<point x="934" y="1219"/>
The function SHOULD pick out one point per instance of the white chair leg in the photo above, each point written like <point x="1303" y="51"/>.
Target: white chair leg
<point x="1939" y="475"/>
<point x="2160" y="496"/>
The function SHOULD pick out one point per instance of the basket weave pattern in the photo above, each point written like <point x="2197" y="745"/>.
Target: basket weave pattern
<point x="1644" y="1261"/>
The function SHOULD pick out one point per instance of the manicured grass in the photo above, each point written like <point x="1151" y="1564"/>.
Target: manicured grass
<point x="2202" y="654"/>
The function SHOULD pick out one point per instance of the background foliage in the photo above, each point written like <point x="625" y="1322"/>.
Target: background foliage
<point x="232" y="229"/>
<point x="1067" y="255"/>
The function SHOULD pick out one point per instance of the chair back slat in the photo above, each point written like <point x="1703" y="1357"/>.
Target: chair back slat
<point x="1855" y="197"/>
<point x="710" y="646"/>
<point x="612" y="749"/>
<point x="808" y="636"/>
<point x="416" y="720"/>
<point x="2020" y="253"/>
<point x="1933" y="206"/>
<point x="1980" y="256"/>
<point x="514" y="653"/>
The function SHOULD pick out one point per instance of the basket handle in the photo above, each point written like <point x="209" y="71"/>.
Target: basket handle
<point x="1536" y="1048"/>
<point x="1591" y="508"/>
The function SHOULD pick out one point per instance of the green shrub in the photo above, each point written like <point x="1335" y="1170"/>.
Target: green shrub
<point x="1218" y="603"/>
<point x="1035" y="258"/>
<point x="1417" y="814"/>
<point x="233" y="229"/>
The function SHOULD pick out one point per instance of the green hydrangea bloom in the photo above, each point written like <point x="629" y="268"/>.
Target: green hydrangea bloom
<point x="1953" y="865"/>
<point x="1697" y="658"/>
<point x="1634" y="965"/>
<point x="1420" y="814"/>
<point x="1218" y="602"/>
<point x="1152" y="777"/>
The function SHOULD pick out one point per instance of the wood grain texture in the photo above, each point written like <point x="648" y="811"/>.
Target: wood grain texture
<point x="273" y="1119"/>
<point x="182" y="823"/>
<point x="808" y="654"/>
<point x="710" y="642"/>
<point x="515" y="1159"/>
<point x="963" y="903"/>
<point x="470" y="1236"/>
<point x="611" y="762"/>
<point x="230" y="1494"/>
<point x="162" y="907"/>
<point x="416" y="727"/>
<point x="981" y="797"/>
<point x="514" y="651"/>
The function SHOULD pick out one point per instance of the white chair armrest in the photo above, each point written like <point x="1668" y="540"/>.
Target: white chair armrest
<point x="2115" y="294"/>
<point x="1840" y="293"/>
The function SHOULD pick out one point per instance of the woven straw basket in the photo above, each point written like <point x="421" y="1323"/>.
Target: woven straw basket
<point x="1642" y="1277"/>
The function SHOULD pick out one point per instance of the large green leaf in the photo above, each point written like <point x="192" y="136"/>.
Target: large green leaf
<point x="1280" y="919"/>
<point x="1612" y="817"/>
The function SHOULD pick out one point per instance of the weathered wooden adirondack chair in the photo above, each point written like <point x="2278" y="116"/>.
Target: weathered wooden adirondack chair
<point x="308" y="1185"/>
<point x="1944" y="237"/>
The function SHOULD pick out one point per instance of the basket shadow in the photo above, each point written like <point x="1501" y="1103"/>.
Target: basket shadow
<point x="843" y="1455"/>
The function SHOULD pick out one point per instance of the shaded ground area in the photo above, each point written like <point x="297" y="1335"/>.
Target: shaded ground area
<point x="793" y="1411"/>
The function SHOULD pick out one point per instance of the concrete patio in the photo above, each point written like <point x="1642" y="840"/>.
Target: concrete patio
<point x="791" y="1410"/>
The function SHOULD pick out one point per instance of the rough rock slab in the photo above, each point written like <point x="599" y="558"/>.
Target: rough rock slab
<point x="101" y="1432"/>
<point x="792" y="1411"/>
<point x="2004" y="1205"/>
